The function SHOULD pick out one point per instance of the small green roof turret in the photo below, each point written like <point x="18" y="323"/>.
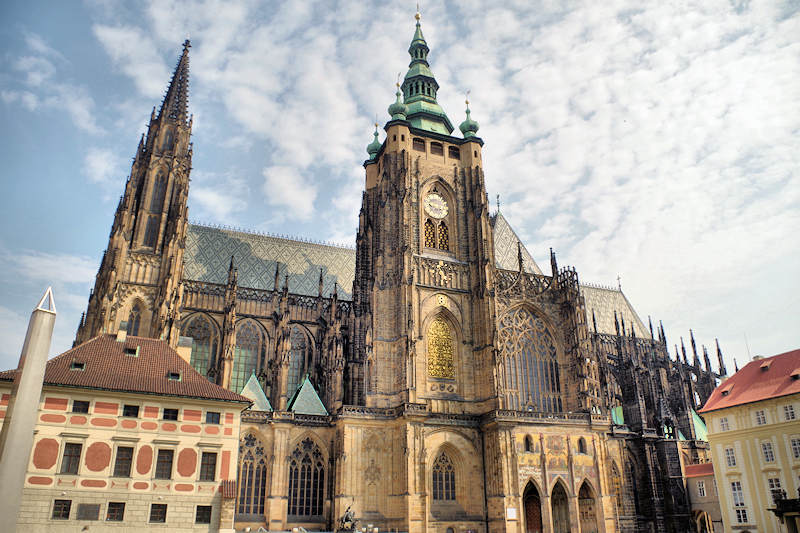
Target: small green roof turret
<point x="398" y="109"/>
<point x="469" y="127"/>
<point x="375" y="146"/>
<point x="419" y="89"/>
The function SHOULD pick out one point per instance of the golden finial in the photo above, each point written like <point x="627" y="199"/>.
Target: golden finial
<point x="398" y="80"/>
<point x="417" y="15"/>
<point x="466" y="97"/>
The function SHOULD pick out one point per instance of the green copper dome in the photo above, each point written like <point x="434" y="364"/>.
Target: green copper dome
<point x="398" y="109"/>
<point x="469" y="127"/>
<point x="375" y="146"/>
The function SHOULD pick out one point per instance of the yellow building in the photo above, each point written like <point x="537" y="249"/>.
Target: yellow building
<point x="754" y="433"/>
<point x="129" y="436"/>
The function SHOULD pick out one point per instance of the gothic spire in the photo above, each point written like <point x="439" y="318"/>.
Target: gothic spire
<point x="696" y="360"/>
<point x="175" y="104"/>
<point x="722" y="370"/>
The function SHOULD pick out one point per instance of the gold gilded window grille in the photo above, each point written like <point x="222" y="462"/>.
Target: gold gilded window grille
<point x="430" y="234"/>
<point x="444" y="240"/>
<point x="440" y="350"/>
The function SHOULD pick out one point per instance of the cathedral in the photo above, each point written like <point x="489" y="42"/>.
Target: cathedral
<point x="433" y="378"/>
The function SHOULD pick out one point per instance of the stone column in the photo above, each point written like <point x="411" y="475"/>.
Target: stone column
<point x="16" y="437"/>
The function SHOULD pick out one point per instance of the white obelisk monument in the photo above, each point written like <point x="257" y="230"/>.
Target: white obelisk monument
<point x="16" y="437"/>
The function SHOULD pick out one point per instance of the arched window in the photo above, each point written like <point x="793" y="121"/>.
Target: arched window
<point x="250" y="348"/>
<point x="430" y="234"/>
<point x="444" y="479"/>
<point x="581" y="445"/>
<point x="167" y="144"/>
<point x="616" y="487"/>
<point x="204" y="342"/>
<point x="586" y="508"/>
<point x="151" y="232"/>
<point x="631" y="489"/>
<point x="529" y="356"/>
<point x="560" y="509"/>
<point x="159" y="191"/>
<point x="297" y="360"/>
<point x="134" y="320"/>
<point x="252" y="478"/>
<point x="444" y="238"/>
<point x="528" y="443"/>
<point x="440" y="350"/>
<point x="306" y="480"/>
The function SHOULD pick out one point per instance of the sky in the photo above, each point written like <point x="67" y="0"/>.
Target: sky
<point x="650" y="144"/>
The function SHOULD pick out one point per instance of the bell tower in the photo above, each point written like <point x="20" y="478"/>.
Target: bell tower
<point x="138" y="282"/>
<point x="424" y="254"/>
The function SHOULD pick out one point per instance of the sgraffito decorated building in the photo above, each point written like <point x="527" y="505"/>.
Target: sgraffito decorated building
<point x="434" y="378"/>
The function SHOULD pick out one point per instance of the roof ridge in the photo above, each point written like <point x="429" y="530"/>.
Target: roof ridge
<point x="294" y="238"/>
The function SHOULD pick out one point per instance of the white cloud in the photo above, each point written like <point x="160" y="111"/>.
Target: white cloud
<point x="135" y="53"/>
<point x="285" y="186"/>
<point x="52" y="268"/>
<point x="102" y="166"/>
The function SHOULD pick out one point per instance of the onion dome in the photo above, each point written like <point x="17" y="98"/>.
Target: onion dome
<point x="398" y="109"/>
<point x="469" y="127"/>
<point x="375" y="146"/>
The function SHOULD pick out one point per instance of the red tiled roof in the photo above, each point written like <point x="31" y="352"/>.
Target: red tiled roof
<point x="762" y="379"/>
<point x="108" y="367"/>
<point x="698" y="470"/>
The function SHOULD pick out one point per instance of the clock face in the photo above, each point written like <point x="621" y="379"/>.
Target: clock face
<point x="435" y="205"/>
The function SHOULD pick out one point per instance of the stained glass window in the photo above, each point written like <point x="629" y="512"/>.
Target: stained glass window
<point x="444" y="479"/>
<point x="159" y="191"/>
<point x="151" y="232"/>
<point x="297" y="360"/>
<point x="250" y="348"/>
<point x="204" y="342"/>
<point x="444" y="238"/>
<point x="430" y="234"/>
<point x="252" y="479"/>
<point x="532" y="380"/>
<point x="440" y="350"/>
<point x="134" y="320"/>
<point x="306" y="480"/>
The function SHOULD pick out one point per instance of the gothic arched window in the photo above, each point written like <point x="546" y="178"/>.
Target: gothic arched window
<point x="151" y="232"/>
<point x="252" y="478"/>
<point x="430" y="234"/>
<point x="528" y="443"/>
<point x="440" y="350"/>
<point x="159" y="191"/>
<point x="250" y="348"/>
<point x="444" y="479"/>
<point x="581" y="445"/>
<point x="616" y="487"/>
<point x="168" y="138"/>
<point x="297" y="360"/>
<point x="531" y="370"/>
<point x="306" y="480"/>
<point x="444" y="237"/>
<point x="204" y="342"/>
<point x="134" y="320"/>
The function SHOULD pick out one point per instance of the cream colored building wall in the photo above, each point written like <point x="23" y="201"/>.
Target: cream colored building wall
<point x="745" y="436"/>
<point x="101" y="432"/>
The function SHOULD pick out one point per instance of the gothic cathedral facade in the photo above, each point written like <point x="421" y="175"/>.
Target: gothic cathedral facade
<point x="432" y="379"/>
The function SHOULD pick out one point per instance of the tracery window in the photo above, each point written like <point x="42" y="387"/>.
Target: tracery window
<point x="306" y="480"/>
<point x="134" y="320"/>
<point x="440" y="350"/>
<point x="151" y="232"/>
<point x="252" y="478"/>
<point x="159" y="191"/>
<point x="430" y="234"/>
<point x="167" y="144"/>
<point x="444" y="479"/>
<point x="616" y="487"/>
<point x="528" y="354"/>
<point x="297" y="360"/>
<point x="444" y="238"/>
<point x="250" y="348"/>
<point x="204" y="342"/>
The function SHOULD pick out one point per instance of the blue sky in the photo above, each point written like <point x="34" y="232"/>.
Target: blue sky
<point x="658" y="144"/>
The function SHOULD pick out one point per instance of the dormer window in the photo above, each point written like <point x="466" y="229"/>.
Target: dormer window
<point x="76" y="365"/>
<point x="174" y="376"/>
<point x="132" y="351"/>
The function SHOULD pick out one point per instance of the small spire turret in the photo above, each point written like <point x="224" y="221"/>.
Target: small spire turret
<point x="375" y="146"/>
<point x="398" y="109"/>
<point x="469" y="127"/>
<point x="722" y="370"/>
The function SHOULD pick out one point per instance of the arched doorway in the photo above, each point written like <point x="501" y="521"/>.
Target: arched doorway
<point x="560" y="505"/>
<point x="533" y="509"/>
<point x="587" y="510"/>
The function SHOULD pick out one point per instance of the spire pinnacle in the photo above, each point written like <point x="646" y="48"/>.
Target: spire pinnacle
<point x="176" y="101"/>
<point x="375" y="146"/>
<point x="398" y="109"/>
<point x="469" y="127"/>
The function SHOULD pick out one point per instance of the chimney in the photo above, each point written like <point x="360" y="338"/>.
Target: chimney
<point x="184" y="349"/>
<point x="122" y="332"/>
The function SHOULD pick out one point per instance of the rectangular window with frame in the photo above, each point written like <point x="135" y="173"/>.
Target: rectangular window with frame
<point x="88" y="511"/>
<point x="730" y="457"/>
<point x="158" y="513"/>
<point x="61" y="509"/>
<point x="130" y="411"/>
<point x="72" y="458"/>
<point x="437" y="149"/>
<point x="170" y="414"/>
<point x="212" y="417"/>
<point x="761" y="417"/>
<point x="164" y="464"/>
<point x="723" y="424"/>
<point x="774" y="486"/>
<point x="115" y="512"/>
<point x="788" y="412"/>
<point x="741" y="516"/>
<point x="208" y="466"/>
<point x="701" y="489"/>
<point x="418" y="144"/>
<point x="122" y="464"/>
<point x="80" y="406"/>
<point x="796" y="448"/>
<point x="453" y="152"/>
<point x="737" y="493"/>
<point x="769" y="453"/>
<point x="203" y="514"/>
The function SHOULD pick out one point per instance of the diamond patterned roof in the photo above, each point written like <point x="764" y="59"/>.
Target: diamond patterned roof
<point x="505" y="248"/>
<point x="604" y="301"/>
<point x="209" y="250"/>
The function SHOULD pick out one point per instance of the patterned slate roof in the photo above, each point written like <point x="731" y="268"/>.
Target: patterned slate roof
<point x="306" y="400"/>
<point x="505" y="247"/>
<point x="209" y="250"/>
<point x="604" y="301"/>
<point x="107" y="366"/>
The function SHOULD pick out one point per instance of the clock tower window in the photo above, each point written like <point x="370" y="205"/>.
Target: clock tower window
<point x="430" y="234"/>
<point x="444" y="240"/>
